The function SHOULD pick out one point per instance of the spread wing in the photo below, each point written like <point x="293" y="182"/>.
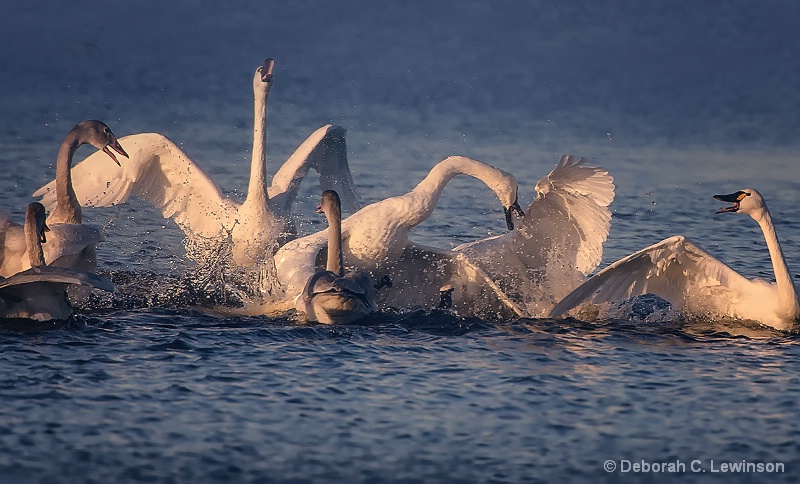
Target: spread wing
<point x="326" y="152"/>
<point x="569" y="216"/>
<point x="62" y="275"/>
<point x="159" y="172"/>
<point x="559" y="240"/>
<point x="675" y="269"/>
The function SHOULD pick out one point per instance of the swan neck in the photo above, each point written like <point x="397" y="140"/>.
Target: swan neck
<point x="429" y="190"/>
<point x="32" y="242"/>
<point x="787" y="295"/>
<point x="65" y="195"/>
<point x="335" y="258"/>
<point x="257" y="190"/>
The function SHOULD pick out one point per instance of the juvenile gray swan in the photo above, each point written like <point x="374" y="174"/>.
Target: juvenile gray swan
<point x="40" y="293"/>
<point x="336" y="296"/>
<point x="71" y="243"/>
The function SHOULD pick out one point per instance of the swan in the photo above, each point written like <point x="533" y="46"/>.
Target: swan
<point x="336" y="296"/>
<point x="375" y="238"/>
<point x="71" y="243"/>
<point x="165" y="176"/>
<point x="557" y="243"/>
<point x="40" y="292"/>
<point x="696" y="282"/>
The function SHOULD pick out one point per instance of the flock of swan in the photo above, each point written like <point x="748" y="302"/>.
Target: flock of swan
<point x="367" y="261"/>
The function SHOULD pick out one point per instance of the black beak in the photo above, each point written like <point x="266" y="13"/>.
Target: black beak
<point x="514" y="209"/>
<point x="733" y="198"/>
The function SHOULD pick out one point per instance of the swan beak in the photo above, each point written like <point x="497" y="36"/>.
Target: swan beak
<point x="266" y="70"/>
<point x="514" y="209"/>
<point x="118" y="148"/>
<point x="733" y="198"/>
<point x="42" y="236"/>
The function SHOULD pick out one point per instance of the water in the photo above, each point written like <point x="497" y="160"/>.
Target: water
<point x="677" y="101"/>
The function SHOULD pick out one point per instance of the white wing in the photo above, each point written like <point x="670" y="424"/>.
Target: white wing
<point x="65" y="242"/>
<point x="569" y="215"/>
<point x="159" y="172"/>
<point x="325" y="151"/>
<point x="557" y="243"/>
<point x="296" y="261"/>
<point x="675" y="269"/>
<point x="58" y="275"/>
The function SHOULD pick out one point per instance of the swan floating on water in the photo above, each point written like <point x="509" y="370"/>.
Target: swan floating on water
<point x="72" y="244"/>
<point x="40" y="293"/>
<point x="554" y="247"/>
<point x="696" y="282"/>
<point x="375" y="238"/>
<point x="165" y="176"/>
<point x="336" y="296"/>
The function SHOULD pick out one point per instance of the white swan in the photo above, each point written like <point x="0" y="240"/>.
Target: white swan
<point x="71" y="243"/>
<point x="376" y="239"/>
<point x="40" y="292"/>
<point x="696" y="282"/>
<point x="161" y="173"/>
<point x="557" y="243"/>
<point x="336" y="296"/>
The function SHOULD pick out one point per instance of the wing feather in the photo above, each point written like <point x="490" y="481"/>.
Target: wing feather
<point x="65" y="241"/>
<point x="568" y="217"/>
<point x="62" y="275"/>
<point x="325" y="150"/>
<point x="675" y="269"/>
<point x="159" y="172"/>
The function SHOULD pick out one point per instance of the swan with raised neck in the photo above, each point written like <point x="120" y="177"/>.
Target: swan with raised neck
<point x="95" y="133"/>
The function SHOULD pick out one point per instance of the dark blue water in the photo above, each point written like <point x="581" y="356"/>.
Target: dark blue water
<point x="678" y="100"/>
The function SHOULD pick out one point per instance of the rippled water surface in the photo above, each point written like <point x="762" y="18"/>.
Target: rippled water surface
<point x="678" y="101"/>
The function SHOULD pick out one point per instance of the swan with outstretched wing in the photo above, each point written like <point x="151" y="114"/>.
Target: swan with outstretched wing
<point x="72" y="244"/>
<point x="161" y="173"/>
<point x="696" y="282"/>
<point x="557" y="243"/>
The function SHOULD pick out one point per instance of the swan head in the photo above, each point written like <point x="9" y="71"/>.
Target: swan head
<point x="330" y="203"/>
<point x="506" y="190"/>
<point x="748" y="201"/>
<point x="262" y="80"/>
<point x="99" y="135"/>
<point x="36" y="216"/>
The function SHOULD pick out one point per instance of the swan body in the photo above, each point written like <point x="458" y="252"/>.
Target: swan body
<point x="40" y="293"/>
<point x="376" y="237"/>
<point x="557" y="243"/>
<point x="65" y="245"/>
<point x="696" y="282"/>
<point x="71" y="243"/>
<point x="165" y="176"/>
<point x="336" y="296"/>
